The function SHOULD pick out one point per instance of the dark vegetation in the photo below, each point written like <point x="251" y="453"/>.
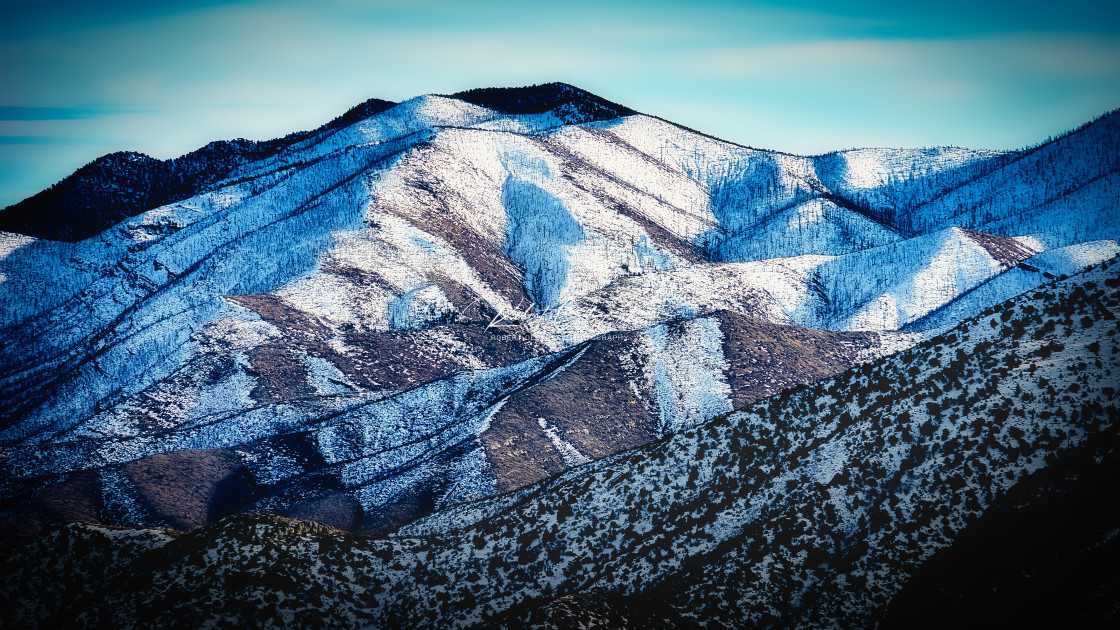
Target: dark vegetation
<point x="1045" y="555"/>
<point x="569" y="102"/>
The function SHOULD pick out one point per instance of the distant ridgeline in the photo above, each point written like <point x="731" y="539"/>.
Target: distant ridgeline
<point x="119" y="185"/>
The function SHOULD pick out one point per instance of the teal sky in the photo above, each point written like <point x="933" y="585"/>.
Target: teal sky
<point x="83" y="79"/>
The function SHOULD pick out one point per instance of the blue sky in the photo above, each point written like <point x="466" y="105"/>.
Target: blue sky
<point x="84" y="79"/>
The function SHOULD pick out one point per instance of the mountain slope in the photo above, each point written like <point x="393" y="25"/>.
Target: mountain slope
<point x="810" y="509"/>
<point x="438" y="442"/>
<point x="437" y="254"/>
<point x="1042" y="555"/>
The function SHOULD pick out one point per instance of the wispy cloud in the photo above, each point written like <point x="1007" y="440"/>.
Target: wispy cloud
<point x="12" y="113"/>
<point x="1036" y="54"/>
<point x="804" y="75"/>
<point x="52" y="141"/>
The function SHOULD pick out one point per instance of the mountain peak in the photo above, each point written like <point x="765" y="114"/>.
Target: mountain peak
<point x="572" y="103"/>
<point x="361" y="111"/>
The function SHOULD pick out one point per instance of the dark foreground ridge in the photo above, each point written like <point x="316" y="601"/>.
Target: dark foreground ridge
<point x="1043" y="556"/>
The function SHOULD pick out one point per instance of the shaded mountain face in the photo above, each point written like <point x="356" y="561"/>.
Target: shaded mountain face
<point x="1043" y="555"/>
<point x="813" y="508"/>
<point x="429" y="303"/>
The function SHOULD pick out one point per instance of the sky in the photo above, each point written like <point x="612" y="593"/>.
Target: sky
<point x="82" y="79"/>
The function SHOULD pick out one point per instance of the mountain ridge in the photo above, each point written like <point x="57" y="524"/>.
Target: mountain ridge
<point x="335" y="331"/>
<point x="51" y="213"/>
<point x="161" y="182"/>
<point x="168" y="181"/>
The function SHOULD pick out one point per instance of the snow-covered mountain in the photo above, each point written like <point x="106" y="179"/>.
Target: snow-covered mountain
<point x="834" y="504"/>
<point x="430" y="302"/>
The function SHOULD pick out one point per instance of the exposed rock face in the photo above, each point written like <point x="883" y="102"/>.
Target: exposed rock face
<point x="628" y="389"/>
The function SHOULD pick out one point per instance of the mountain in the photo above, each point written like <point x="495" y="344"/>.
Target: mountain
<point x="837" y="503"/>
<point x="424" y="304"/>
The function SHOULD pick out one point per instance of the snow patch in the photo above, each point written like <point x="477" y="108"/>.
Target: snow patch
<point x="1074" y="259"/>
<point x="687" y="373"/>
<point x="419" y="308"/>
<point x="568" y="452"/>
<point x="326" y="378"/>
